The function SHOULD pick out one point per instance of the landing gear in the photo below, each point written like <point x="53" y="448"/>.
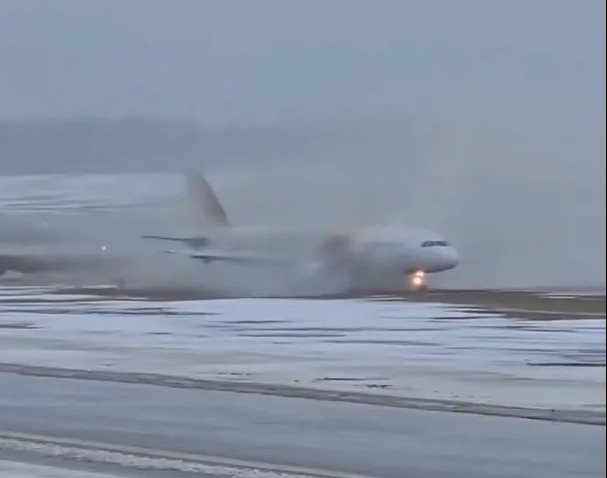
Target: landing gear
<point x="417" y="282"/>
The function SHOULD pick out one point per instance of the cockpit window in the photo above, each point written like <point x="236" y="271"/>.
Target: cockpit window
<point x="435" y="244"/>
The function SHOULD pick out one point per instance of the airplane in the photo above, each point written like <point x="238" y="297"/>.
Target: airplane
<point x="360" y="256"/>
<point x="29" y="248"/>
<point x="32" y="263"/>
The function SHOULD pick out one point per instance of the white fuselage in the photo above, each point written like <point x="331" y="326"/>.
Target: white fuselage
<point x="378" y="255"/>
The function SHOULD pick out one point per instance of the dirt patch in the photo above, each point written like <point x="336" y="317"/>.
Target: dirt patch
<point x="532" y="305"/>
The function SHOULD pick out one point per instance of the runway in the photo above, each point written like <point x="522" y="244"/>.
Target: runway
<point x="347" y="438"/>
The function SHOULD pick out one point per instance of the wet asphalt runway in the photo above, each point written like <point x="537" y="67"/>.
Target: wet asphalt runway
<point x="356" y="438"/>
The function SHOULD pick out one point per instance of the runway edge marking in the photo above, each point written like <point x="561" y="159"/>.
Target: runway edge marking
<point x="583" y="417"/>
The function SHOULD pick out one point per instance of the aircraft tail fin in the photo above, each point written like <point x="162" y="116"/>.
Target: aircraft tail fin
<point x="205" y="204"/>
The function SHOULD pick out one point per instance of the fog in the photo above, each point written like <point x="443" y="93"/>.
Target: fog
<point x="500" y="178"/>
<point x="508" y="180"/>
<point x="485" y="123"/>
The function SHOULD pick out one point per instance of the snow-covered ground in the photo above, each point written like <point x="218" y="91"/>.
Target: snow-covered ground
<point x="379" y="346"/>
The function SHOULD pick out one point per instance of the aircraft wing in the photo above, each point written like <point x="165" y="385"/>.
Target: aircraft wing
<point x="210" y="255"/>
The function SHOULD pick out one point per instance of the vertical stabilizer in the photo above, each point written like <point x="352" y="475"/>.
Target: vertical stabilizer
<point x="204" y="202"/>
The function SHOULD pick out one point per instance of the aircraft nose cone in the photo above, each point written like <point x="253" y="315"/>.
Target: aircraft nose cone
<point x="440" y="259"/>
<point x="451" y="258"/>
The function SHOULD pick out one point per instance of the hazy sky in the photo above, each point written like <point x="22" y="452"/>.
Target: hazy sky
<point x="276" y="60"/>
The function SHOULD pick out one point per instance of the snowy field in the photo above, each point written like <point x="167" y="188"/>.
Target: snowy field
<point x="422" y="350"/>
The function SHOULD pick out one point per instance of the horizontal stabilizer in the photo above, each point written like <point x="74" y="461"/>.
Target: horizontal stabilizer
<point x="194" y="242"/>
